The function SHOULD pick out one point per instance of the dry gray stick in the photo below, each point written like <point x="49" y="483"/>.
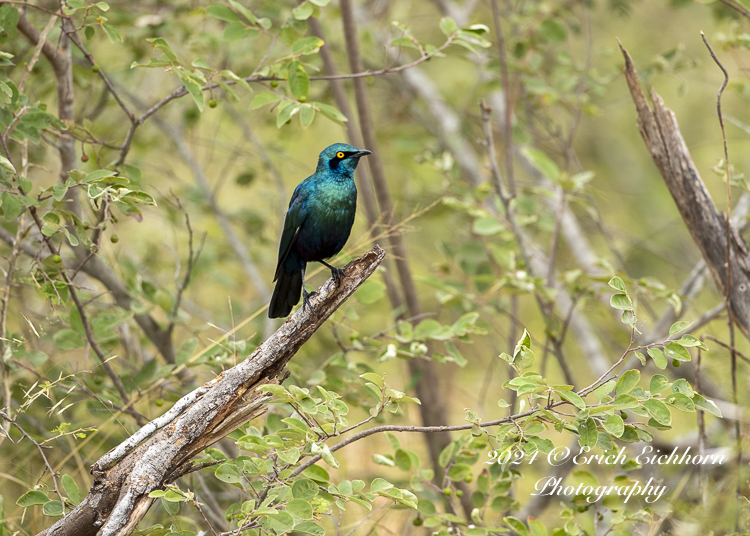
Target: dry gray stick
<point x="664" y="141"/>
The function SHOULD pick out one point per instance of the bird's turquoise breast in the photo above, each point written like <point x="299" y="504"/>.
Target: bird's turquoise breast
<point x="330" y="210"/>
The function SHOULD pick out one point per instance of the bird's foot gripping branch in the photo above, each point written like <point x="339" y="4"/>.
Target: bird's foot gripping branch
<point x="162" y="451"/>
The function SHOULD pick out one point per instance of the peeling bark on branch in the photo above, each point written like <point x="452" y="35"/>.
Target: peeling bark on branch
<point x="125" y="476"/>
<point x="707" y="227"/>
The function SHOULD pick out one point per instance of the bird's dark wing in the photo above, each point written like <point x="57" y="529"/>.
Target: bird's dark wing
<point x="295" y="216"/>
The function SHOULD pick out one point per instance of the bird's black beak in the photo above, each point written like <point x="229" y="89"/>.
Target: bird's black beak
<point x="363" y="152"/>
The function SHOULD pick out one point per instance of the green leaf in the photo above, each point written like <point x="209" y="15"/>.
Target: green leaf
<point x="304" y="489"/>
<point x="229" y="75"/>
<point x="448" y="26"/>
<point x="537" y="527"/>
<point x="628" y="317"/>
<point x="487" y="226"/>
<point x="113" y="33"/>
<point x="331" y="112"/>
<point x="246" y="12"/>
<point x="627" y="382"/>
<point x="383" y="460"/>
<point x="300" y="508"/>
<point x="261" y="99"/>
<point x="172" y="508"/>
<point x="553" y="31"/>
<point x="706" y="405"/>
<point x="186" y="351"/>
<point x="516" y="525"/>
<point x="229" y="473"/>
<point x="573" y="398"/>
<point x="617" y="284"/>
<point x="620" y="302"/>
<point x="285" y="113"/>
<point x="679" y="326"/>
<point x="71" y="489"/>
<point x="659" y="411"/>
<point x="688" y="341"/>
<point x="235" y="32"/>
<point x="7" y="171"/>
<point x="682" y="386"/>
<point x="53" y="508"/>
<point x="303" y="12"/>
<point x="380" y="485"/>
<point x="299" y="82"/>
<point x="624" y="401"/>
<point x="289" y="456"/>
<point x="458" y="472"/>
<point x="615" y="425"/>
<point x="307" y="45"/>
<point x="459" y="359"/>
<point x="371" y="290"/>
<point x="98" y="175"/>
<point x="306" y="118"/>
<point x="308" y="527"/>
<point x="12" y="207"/>
<point x="200" y="64"/>
<point x="403" y="461"/>
<point x="325" y="453"/>
<point x="372" y="377"/>
<point x="544" y="445"/>
<point x="222" y="13"/>
<point x="281" y="522"/>
<point x="30" y="498"/>
<point x="604" y="390"/>
<point x="173" y="496"/>
<point x="542" y="162"/>
<point x="193" y="87"/>
<point x="658" y="357"/>
<point x="588" y="434"/>
<point x="658" y="383"/>
<point x="681" y="402"/>
<point x="432" y="329"/>
<point x="676" y="351"/>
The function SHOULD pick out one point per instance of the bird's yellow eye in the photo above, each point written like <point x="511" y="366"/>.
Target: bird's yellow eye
<point x="340" y="155"/>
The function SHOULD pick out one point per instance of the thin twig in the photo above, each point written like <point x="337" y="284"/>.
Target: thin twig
<point x="702" y="476"/>
<point x="20" y="234"/>
<point x="192" y="259"/>
<point x="728" y="292"/>
<point x="738" y="9"/>
<point x="37" y="52"/>
<point x="41" y="452"/>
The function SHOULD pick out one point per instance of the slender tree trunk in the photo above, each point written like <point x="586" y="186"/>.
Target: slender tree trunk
<point x="427" y="387"/>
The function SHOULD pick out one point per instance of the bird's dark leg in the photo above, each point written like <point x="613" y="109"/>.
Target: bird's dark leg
<point x="336" y="273"/>
<point x="306" y="295"/>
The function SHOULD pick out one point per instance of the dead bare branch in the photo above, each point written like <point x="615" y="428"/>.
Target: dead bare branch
<point x="125" y="476"/>
<point x="707" y="227"/>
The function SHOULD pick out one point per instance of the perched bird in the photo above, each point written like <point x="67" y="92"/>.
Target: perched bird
<point x="317" y="225"/>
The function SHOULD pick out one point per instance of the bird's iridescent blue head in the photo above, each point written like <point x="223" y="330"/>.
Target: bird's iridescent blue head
<point x="340" y="158"/>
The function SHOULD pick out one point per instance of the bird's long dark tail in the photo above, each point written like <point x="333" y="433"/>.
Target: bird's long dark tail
<point x="286" y="294"/>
